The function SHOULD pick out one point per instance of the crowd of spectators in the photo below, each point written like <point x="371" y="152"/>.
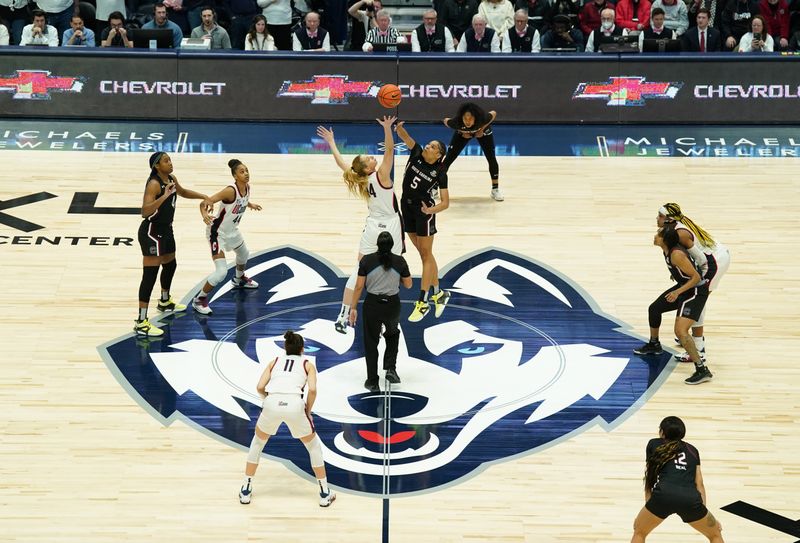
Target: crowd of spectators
<point x="490" y="26"/>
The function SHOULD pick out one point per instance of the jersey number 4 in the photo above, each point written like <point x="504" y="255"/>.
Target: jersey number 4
<point x="372" y="191"/>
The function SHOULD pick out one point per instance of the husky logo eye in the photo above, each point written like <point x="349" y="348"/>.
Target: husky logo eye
<point x="520" y="359"/>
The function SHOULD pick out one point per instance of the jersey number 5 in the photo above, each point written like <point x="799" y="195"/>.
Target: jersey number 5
<point x="415" y="182"/>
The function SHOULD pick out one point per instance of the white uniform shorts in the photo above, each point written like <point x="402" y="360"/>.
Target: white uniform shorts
<point x="286" y="408"/>
<point x="373" y="228"/>
<point x="225" y="241"/>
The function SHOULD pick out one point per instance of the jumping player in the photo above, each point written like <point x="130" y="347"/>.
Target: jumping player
<point x="157" y="241"/>
<point x="673" y="483"/>
<point x="472" y="121"/>
<point x="423" y="174"/>
<point x="688" y="297"/>
<point x="223" y="234"/>
<point x="371" y="182"/>
<point x="282" y="385"/>
<point x="712" y="257"/>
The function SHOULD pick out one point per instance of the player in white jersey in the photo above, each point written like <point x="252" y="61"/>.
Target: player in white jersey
<point x="372" y="182"/>
<point x="283" y="385"/>
<point x="712" y="257"/>
<point x="222" y="233"/>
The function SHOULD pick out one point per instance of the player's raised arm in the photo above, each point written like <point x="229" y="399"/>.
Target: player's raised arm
<point x="404" y="135"/>
<point x="327" y="135"/>
<point x="385" y="169"/>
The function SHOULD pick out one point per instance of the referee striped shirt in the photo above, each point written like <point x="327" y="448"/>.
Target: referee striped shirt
<point x="389" y="37"/>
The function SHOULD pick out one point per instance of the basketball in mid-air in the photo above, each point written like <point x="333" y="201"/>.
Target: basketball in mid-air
<point x="389" y="96"/>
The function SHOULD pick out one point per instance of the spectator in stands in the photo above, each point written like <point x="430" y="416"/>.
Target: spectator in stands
<point x="658" y="29"/>
<point x="479" y="38"/>
<point x="160" y="21"/>
<point x="607" y="33"/>
<point x="457" y="15"/>
<point x="242" y="14"/>
<point x="590" y="16"/>
<point x="59" y="13"/>
<point x="115" y="35"/>
<point x="521" y="38"/>
<point x="676" y="14"/>
<point x="776" y="14"/>
<point x="538" y="12"/>
<point x="16" y="14"/>
<point x="563" y="35"/>
<point x="703" y="38"/>
<point x="78" y="34"/>
<point x="714" y="8"/>
<point x="633" y="14"/>
<point x="39" y="32"/>
<point x="211" y="30"/>
<point x="383" y="33"/>
<point x="279" y="17"/>
<point x="363" y="21"/>
<point x="758" y="39"/>
<point x="569" y="8"/>
<point x="310" y="37"/>
<point x="258" y="38"/>
<point x="431" y="36"/>
<point x="499" y="15"/>
<point x="103" y="12"/>
<point x="4" y="37"/>
<point x="736" y="17"/>
<point x="192" y="10"/>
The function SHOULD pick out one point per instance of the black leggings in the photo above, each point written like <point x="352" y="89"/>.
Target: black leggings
<point x="457" y="144"/>
<point x="689" y="304"/>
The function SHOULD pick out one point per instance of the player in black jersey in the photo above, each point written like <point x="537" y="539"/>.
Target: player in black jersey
<point x="688" y="297"/>
<point x="423" y="174"/>
<point x="673" y="484"/>
<point x="156" y="239"/>
<point x="472" y="121"/>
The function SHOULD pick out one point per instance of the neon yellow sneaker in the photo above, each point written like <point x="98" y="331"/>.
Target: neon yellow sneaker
<point x="144" y="328"/>
<point x="420" y="310"/>
<point x="439" y="302"/>
<point x="171" y="305"/>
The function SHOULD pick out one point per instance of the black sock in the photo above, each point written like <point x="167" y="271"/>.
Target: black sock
<point x="495" y="184"/>
<point x="655" y="341"/>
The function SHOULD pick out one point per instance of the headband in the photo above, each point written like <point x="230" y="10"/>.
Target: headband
<point x="155" y="158"/>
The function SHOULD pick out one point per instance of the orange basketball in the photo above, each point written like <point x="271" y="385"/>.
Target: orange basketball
<point x="389" y="96"/>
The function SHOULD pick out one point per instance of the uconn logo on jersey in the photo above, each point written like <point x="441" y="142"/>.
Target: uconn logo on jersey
<point x="521" y="359"/>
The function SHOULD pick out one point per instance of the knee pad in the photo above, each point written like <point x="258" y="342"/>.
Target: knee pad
<point x="351" y="281"/>
<point x="315" y="452"/>
<point x="220" y="271"/>
<point x="242" y="254"/>
<point x="149" y="276"/>
<point x="256" y="448"/>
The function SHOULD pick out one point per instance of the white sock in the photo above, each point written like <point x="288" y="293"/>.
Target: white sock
<point x="436" y="290"/>
<point x="344" y="312"/>
<point x="323" y="486"/>
<point x="699" y="343"/>
<point x="247" y="481"/>
<point x="239" y="273"/>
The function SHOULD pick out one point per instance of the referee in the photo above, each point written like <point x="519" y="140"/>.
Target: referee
<point x="381" y="273"/>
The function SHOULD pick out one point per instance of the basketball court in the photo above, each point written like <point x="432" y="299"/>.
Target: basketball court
<point x="106" y="438"/>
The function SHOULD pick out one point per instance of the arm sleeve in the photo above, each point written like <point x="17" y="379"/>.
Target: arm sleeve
<point x="362" y="271"/>
<point x="414" y="42"/>
<point x="403" y="267"/>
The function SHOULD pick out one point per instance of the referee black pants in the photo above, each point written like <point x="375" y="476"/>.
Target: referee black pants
<point x="381" y="311"/>
<point x="457" y="144"/>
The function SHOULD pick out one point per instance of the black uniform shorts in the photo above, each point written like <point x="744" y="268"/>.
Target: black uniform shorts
<point x="156" y="239"/>
<point x="414" y="220"/>
<point x="686" y="503"/>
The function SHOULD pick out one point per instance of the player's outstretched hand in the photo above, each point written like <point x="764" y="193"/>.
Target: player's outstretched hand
<point x="388" y="120"/>
<point x="254" y="207"/>
<point x="398" y="124"/>
<point x="326" y="134"/>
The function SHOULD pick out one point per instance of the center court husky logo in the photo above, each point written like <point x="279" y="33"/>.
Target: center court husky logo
<point x="520" y="359"/>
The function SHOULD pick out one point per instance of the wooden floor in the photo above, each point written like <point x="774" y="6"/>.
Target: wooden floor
<point x="80" y="460"/>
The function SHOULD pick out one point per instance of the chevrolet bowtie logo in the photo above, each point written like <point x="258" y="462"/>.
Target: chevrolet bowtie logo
<point x="627" y="91"/>
<point x="329" y="89"/>
<point x="37" y="84"/>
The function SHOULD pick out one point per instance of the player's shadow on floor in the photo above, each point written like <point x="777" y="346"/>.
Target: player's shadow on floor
<point x="473" y="200"/>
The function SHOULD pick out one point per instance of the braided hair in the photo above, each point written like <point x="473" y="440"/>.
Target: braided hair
<point x="674" y="214"/>
<point x="673" y="430"/>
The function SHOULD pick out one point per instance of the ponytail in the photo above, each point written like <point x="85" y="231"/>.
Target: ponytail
<point x="673" y="431"/>
<point x="385" y="244"/>
<point x="357" y="180"/>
